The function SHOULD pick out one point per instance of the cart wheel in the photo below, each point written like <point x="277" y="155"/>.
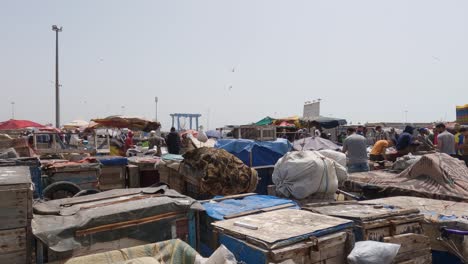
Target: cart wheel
<point x="86" y="192"/>
<point x="59" y="190"/>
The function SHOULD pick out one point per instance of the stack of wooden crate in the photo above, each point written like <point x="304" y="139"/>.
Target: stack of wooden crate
<point x="383" y="223"/>
<point x="15" y="214"/>
<point x="287" y="236"/>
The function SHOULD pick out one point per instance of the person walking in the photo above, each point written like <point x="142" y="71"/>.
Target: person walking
<point x="355" y="148"/>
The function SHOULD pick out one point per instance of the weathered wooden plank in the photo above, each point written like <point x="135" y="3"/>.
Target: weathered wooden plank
<point x="426" y="259"/>
<point x="412" y="255"/>
<point x="268" y="209"/>
<point x="285" y="224"/>
<point x="409" y="242"/>
<point x="13" y="240"/>
<point x="14" y="208"/>
<point x="14" y="257"/>
<point x="323" y="248"/>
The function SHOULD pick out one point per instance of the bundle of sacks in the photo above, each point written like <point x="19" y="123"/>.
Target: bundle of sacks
<point x="301" y="174"/>
<point x="218" y="172"/>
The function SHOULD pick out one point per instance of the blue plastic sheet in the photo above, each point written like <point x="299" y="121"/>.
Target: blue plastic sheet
<point x="112" y="160"/>
<point x="264" y="153"/>
<point x="234" y="206"/>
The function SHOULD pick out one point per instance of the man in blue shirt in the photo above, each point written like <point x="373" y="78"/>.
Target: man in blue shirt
<point x="404" y="141"/>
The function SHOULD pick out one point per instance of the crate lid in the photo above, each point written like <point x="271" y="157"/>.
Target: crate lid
<point x="15" y="175"/>
<point x="282" y="227"/>
<point x="361" y="212"/>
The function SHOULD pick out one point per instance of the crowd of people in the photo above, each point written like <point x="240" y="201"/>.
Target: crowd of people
<point x="411" y="140"/>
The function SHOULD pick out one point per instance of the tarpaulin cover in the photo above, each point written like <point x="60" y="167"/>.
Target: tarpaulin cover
<point x="173" y="251"/>
<point x="300" y="174"/>
<point x="112" y="160"/>
<point x="234" y="206"/>
<point x="264" y="153"/>
<point x="326" y="122"/>
<point x="265" y="121"/>
<point x="314" y="143"/>
<point x="56" y="222"/>
<point x="133" y="123"/>
<point x="436" y="176"/>
<point x="61" y="165"/>
<point x="217" y="172"/>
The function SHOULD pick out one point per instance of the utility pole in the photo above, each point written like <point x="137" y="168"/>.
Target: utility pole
<point x="57" y="85"/>
<point x="12" y="110"/>
<point x="156" y="111"/>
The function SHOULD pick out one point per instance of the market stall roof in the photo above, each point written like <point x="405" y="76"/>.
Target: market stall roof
<point x="18" y="124"/>
<point x="325" y="122"/>
<point x="265" y="121"/>
<point x="76" y="124"/>
<point x="314" y="143"/>
<point x="133" y="123"/>
<point x="286" y="124"/>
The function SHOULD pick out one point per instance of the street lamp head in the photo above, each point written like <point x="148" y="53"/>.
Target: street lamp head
<point x="55" y="28"/>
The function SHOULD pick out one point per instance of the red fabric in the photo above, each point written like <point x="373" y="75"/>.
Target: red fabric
<point x="18" y="124"/>
<point x="128" y="141"/>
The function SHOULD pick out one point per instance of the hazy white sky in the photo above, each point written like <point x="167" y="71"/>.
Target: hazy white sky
<point x="368" y="60"/>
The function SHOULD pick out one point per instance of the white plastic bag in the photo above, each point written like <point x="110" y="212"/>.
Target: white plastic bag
<point x="300" y="174"/>
<point x="373" y="252"/>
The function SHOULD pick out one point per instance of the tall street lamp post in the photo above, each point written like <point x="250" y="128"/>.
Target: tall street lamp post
<point x="57" y="85"/>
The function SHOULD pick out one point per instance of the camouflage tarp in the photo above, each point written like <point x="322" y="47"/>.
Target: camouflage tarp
<point x="436" y="176"/>
<point x="218" y="172"/>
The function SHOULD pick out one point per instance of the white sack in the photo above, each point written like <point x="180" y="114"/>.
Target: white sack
<point x="300" y="174"/>
<point x="373" y="252"/>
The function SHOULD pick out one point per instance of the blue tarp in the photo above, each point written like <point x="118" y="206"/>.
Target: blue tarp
<point x="112" y="160"/>
<point x="264" y="153"/>
<point x="234" y="206"/>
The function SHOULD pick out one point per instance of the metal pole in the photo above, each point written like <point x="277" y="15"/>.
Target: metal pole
<point x="156" y="112"/>
<point x="12" y="110"/>
<point x="57" y="85"/>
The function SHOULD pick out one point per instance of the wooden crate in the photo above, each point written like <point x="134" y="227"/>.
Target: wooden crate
<point x="414" y="248"/>
<point x="112" y="177"/>
<point x="373" y="222"/>
<point x="207" y="237"/>
<point x="15" y="245"/>
<point x="15" y="197"/>
<point x="133" y="176"/>
<point x="172" y="177"/>
<point x="287" y="234"/>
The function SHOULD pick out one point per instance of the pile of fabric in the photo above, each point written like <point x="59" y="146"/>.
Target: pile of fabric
<point x="436" y="176"/>
<point x="218" y="172"/>
<point x="301" y="174"/>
